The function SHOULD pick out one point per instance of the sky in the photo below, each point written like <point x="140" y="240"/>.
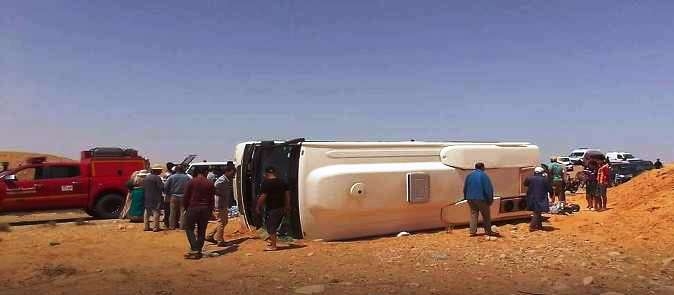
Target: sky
<point x="171" y="78"/>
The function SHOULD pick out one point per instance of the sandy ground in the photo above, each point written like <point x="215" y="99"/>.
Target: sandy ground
<point x="577" y="256"/>
<point x="41" y="216"/>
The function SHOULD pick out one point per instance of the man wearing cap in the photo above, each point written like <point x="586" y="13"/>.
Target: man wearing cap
<point x="538" y="188"/>
<point x="479" y="193"/>
<point x="275" y="197"/>
<point x="153" y="187"/>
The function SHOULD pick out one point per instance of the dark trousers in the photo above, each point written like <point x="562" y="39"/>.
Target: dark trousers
<point x="196" y="217"/>
<point x="536" y="221"/>
<point x="479" y="207"/>
<point x="167" y="213"/>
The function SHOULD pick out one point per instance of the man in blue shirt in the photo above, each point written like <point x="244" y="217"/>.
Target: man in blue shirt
<point x="479" y="193"/>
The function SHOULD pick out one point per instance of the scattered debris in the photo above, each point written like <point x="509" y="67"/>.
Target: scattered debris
<point x="312" y="289"/>
<point x="439" y="256"/>
<point x="54" y="243"/>
<point x="502" y="256"/>
<point x="611" y="293"/>
<point x="310" y="254"/>
<point x="80" y="221"/>
<point x="667" y="262"/>
<point x="403" y="234"/>
<point x="588" y="281"/>
<point x="214" y="254"/>
<point x="613" y="254"/>
<point x="413" y="285"/>
<point x="57" y="270"/>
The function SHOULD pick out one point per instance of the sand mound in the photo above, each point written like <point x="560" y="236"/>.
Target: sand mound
<point x="651" y="189"/>
<point x="16" y="158"/>
<point x="643" y="208"/>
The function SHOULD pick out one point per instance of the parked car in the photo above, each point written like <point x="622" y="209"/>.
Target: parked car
<point x="576" y="156"/>
<point x="97" y="183"/>
<point x="566" y="161"/>
<point x="622" y="172"/>
<point x="617" y="157"/>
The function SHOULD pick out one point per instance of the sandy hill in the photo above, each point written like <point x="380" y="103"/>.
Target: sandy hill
<point x="641" y="212"/>
<point x="15" y="158"/>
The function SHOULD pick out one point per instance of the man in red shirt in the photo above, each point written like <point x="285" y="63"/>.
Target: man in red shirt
<point x="603" y="176"/>
<point x="198" y="203"/>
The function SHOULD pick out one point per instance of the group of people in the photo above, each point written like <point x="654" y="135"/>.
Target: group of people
<point x="188" y="202"/>
<point x="542" y="189"/>
<point x="597" y="181"/>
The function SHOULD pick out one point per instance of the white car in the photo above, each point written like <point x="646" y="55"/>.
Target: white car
<point x="576" y="156"/>
<point x="621" y="157"/>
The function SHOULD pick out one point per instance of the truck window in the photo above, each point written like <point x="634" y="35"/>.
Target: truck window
<point x="28" y="174"/>
<point x="52" y="172"/>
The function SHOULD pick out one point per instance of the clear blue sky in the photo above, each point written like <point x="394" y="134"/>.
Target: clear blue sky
<point x="176" y="77"/>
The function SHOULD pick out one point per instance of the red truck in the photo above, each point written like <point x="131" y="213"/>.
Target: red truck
<point x="97" y="183"/>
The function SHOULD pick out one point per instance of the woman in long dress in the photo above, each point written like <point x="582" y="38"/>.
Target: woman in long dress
<point x="133" y="207"/>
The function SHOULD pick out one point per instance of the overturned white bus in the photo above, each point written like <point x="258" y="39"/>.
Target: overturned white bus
<point x="345" y="190"/>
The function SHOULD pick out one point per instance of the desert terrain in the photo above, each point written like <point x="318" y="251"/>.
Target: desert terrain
<point x="628" y="249"/>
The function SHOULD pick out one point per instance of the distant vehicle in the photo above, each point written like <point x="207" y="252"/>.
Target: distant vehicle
<point x="623" y="172"/>
<point x="617" y="157"/>
<point x="643" y="165"/>
<point x="576" y="156"/>
<point x="346" y="190"/>
<point x="211" y="166"/>
<point x="593" y="156"/>
<point x="97" y="183"/>
<point x="566" y="161"/>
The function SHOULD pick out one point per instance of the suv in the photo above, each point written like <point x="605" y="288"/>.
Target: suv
<point x="576" y="156"/>
<point x="97" y="183"/>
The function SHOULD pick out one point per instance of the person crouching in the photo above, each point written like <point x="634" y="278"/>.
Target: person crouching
<point x="538" y="188"/>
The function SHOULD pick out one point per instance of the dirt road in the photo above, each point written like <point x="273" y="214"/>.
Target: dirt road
<point x="119" y="258"/>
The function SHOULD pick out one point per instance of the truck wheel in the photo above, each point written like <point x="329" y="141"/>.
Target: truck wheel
<point x="91" y="212"/>
<point x="109" y="206"/>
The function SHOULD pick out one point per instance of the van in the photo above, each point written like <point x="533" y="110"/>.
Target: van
<point x="346" y="190"/>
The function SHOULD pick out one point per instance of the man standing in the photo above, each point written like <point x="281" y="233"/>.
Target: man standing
<point x="479" y="193"/>
<point x="275" y="196"/>
<point x="198" y="203"/>
<point x="591" y="185"/>
<point x="224" y="191"/>
<point x="603" y="176"/>
<point x="657" y="164"/>
<point x="538" y="188"/>
<point x="166" y="204"/>
<point x="153" y="188"/>
<point x="175" y="191"/>
<point x="557" y="171"/>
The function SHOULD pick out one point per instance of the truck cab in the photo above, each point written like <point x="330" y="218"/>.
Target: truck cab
<point x="41" y="185"/>
<point x="96" y="183"/>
